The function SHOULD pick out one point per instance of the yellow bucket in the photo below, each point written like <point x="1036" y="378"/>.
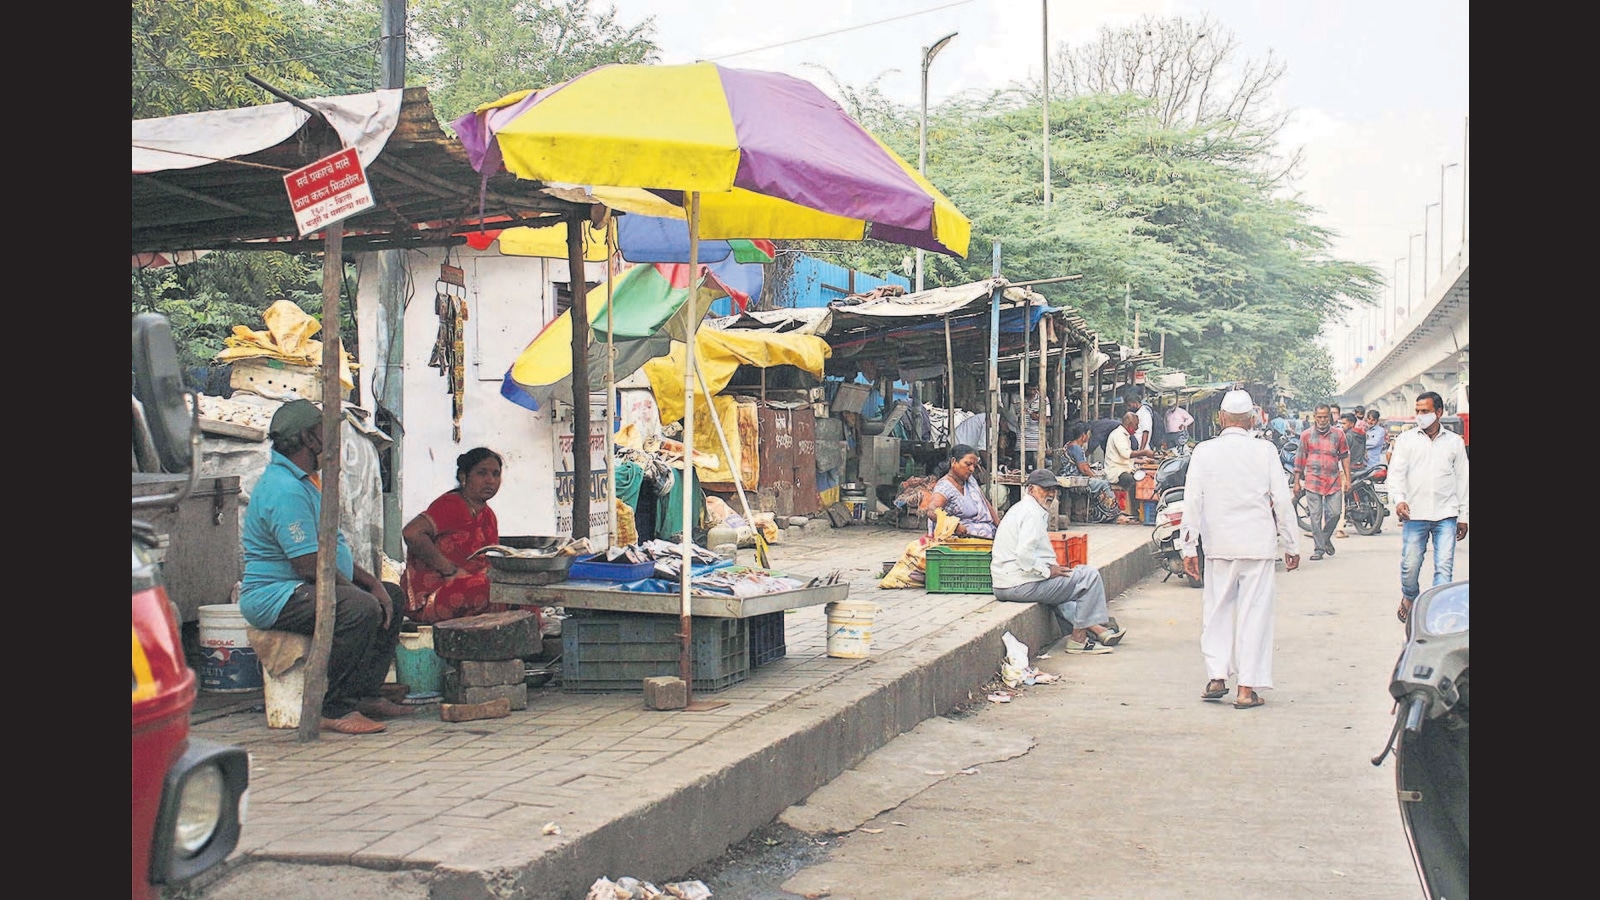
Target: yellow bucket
<point x="850" y="628"/>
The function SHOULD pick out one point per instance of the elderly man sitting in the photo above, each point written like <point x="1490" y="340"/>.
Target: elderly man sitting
<point x="1023" y="569"/>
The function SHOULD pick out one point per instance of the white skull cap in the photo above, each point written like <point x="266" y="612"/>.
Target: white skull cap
<point x="1237" y="402"/>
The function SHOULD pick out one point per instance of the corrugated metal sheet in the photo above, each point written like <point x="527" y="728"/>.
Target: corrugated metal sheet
<point x="815" y="282"/>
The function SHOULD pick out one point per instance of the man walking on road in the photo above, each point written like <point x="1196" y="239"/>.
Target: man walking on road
<point x="1023" y="569"/>
<point x="1237" y="507"/>
<point x="1322" y="470"/>
<point x="1428" y="483"/>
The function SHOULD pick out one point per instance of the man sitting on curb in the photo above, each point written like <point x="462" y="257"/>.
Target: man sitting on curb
<point x="1023" y="569"/>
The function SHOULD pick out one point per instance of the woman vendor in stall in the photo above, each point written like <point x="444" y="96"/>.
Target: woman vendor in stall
<point x="959" y="494"/>
<point x="443" y="580"/>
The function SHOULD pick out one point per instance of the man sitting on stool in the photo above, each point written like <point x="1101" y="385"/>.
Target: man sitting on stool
<point x="1023" y="569"/>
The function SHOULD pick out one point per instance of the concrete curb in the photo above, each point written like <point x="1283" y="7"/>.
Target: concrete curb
<point x="744" y="777"/>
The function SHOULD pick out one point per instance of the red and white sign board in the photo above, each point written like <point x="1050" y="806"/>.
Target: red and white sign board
<point x="328" y="190"/>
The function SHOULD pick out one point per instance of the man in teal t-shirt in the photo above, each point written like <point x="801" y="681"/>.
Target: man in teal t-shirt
<point x="279" y="590"/>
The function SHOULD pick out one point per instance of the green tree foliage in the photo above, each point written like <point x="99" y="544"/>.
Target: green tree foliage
<point x="473" y="51"/>
<point x="1179" y="221"/>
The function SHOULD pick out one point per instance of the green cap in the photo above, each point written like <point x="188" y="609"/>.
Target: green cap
<point x="294" y="417"/>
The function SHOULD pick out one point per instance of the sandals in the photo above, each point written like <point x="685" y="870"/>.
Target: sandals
<point x="1254" y="701"/>
<point x="1216" y="689"/>
<point x="353" y="723"/>
<point x="1404" y="612"/>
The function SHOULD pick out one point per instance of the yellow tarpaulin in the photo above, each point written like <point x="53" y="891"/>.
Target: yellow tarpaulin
<point x="287" y="338"/>
<point x="550" y="242"/>
<point x="719" y="353"/>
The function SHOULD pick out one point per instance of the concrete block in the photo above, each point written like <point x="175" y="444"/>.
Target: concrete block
<point x="488" y="673"/>
<point x="471" y="712"/>
<point x="515" y="694"/>
<point x="665" y="692"/>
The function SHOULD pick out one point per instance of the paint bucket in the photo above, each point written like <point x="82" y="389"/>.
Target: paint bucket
<point x="858" y="509"/>
<point x="230" y="665"/>
<point x="283" y="695"/>
<point x="416" y="664"/>
<point x="850" y="629"/>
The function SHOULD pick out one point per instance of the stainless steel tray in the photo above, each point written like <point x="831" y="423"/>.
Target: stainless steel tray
<point x="604" y="595"/>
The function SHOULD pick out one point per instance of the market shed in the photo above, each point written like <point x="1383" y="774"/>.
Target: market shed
<point x="214" y="180"/>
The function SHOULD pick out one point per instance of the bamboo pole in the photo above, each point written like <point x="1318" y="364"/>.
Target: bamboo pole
<point x="686" y="540"/>
<point x="950" y="386"/>
<point x="611" y="384"/>
<point x="1044" y="380"/>
<point x="316" y="687"/>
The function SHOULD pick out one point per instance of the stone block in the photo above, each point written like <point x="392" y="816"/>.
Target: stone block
<point x="515" y="694"/>
<point x="489" y="637"/>
<point x="488" y="673"/>
<point x="471" y="712"/>
<point x="665" y="692"/>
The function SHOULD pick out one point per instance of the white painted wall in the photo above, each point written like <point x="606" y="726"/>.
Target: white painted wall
<point x="509" y="299"/>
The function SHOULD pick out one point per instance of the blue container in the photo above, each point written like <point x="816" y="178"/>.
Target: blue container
<point x="595" y="568"/>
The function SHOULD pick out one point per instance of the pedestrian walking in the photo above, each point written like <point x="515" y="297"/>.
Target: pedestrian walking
<point x="1322" y="472"/>
<point x="1237" y="507"/>
<point x="1428" y="483"/>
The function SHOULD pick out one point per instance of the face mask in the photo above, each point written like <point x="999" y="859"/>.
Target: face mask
<point x="1323" y="429"/>
<point x="1426" y="420"/>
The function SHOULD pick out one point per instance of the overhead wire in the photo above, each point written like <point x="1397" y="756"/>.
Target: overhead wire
<point x="824" y="34"/>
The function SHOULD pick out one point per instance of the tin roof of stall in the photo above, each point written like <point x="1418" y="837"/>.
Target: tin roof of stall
<point x="908" y="330"/>
<point x="214" y="180"/>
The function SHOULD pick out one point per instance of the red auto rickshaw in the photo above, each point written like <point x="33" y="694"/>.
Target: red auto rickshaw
<point x="189" y="795"/>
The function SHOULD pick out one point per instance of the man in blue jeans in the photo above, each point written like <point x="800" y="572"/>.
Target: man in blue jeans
<point x="1428" y="484"/>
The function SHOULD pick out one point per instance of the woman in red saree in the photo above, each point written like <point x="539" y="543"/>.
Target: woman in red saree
<point x="443" y="580"/>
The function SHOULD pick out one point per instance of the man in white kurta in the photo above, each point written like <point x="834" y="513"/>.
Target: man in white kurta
<point x="1238" y="510"/>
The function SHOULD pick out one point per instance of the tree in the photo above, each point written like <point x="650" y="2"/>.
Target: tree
<point x="473" y="51"/>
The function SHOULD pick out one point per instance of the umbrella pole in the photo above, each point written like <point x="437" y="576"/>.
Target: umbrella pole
<point x="686" y="540"/>
<point x="738" y="478"/>
<point x="611" y="385"/>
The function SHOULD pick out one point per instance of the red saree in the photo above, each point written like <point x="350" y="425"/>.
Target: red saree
<point x="429" y="598"/>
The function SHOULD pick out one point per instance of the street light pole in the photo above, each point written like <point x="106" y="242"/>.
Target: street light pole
<point x="1408" y="277"/>
<point x="1045" y="8"/>
<point x="1394" y="292"/>
<point x="1425" y="249"/>
<point x="928" y="53"/>
<point x="1442" y="169"/>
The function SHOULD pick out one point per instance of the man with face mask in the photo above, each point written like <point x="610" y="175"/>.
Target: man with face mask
<point x="1428" y="484"/>
<point x="279" y="589"/>
<point x="1322" y="470"/>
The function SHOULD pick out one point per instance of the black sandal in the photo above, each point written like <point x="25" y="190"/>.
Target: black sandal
<point x="1215" y="693"/>
<point x="1404" y="612"/>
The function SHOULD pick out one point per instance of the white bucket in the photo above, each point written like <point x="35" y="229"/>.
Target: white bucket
<point x="230" y="666"/>
<point x="850" y="628"/>
<point x="283" y="695"/>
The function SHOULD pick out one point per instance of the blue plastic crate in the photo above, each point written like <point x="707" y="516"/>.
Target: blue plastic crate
<point x="595" y="568"/>
<point x="609" y="651"/>
<point x="766" y="638"/>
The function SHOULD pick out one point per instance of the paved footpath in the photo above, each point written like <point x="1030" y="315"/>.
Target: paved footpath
<point x="445" y="810"/>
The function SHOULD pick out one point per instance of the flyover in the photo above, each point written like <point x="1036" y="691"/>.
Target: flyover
<point x="1428" y="352"/>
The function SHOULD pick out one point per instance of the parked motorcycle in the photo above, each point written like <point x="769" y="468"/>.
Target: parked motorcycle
<point x="1429" y="740"/>
<point x="1170" y="478"/>
<point x="1363" y="508"/>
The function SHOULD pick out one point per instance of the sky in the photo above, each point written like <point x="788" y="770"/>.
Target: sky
<point x="1377" y="90"/>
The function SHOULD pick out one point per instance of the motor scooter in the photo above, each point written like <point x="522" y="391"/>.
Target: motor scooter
<point x="1170" y="478"/>
<point x="1363" y="508"/>
<point x="1430" y="741"/>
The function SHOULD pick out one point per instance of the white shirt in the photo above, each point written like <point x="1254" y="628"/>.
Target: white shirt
<point x="1236" y="500"/>
<point x="1119" y="453"/>
<point x="1022" y="550"/>
<point x="1430" y="475"/>
<point x="1145" y="427"/>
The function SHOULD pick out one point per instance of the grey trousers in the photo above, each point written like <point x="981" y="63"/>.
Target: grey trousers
<point x="1078" y="599"/>
<point x="1324" y="515"/>
<point x="363" y="649"/>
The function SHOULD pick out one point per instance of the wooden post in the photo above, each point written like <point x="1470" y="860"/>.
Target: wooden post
<point x="580" y="376"/>
<point x="611" y="384"/>
<point x="993" y="419"/>
<point x="316" y="688"/>
<point x="949" y="385"/>
<point x="686" y="540"/>
<point x="1044" y="381"/>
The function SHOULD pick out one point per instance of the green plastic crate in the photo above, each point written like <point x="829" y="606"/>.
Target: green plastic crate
<point x="959" y="571"/>
<point x="618" y="651"/>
